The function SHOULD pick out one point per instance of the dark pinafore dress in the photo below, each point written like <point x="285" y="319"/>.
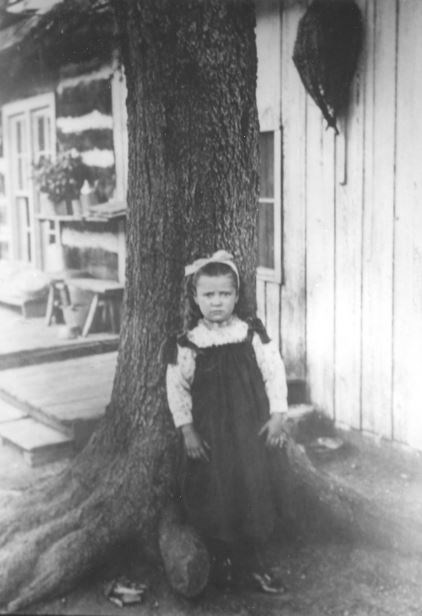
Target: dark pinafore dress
<point x="231" y="497"/>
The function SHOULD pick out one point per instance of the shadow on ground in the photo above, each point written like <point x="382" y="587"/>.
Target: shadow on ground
<point x="321" y="578"/>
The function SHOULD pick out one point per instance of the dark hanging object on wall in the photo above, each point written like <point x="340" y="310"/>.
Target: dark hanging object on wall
<point x="326" y="51"/>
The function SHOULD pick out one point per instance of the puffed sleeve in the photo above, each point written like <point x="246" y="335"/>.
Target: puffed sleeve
<point x="273" y="373"/>
<point x="179" y="379"/>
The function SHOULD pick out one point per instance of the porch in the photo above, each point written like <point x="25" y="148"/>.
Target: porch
<point x="53" y="390"/>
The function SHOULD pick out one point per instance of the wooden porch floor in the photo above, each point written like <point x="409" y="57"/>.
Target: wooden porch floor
<point x="61" y="383"/>
<point x="63" y="391"/>
<point x="19" y="335"/>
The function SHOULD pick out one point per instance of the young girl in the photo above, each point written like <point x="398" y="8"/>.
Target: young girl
<point x="227" y="394"/>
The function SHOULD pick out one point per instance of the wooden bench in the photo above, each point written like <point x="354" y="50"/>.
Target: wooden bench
<point x="108" y="292"/>
<point x="29" y="307"/>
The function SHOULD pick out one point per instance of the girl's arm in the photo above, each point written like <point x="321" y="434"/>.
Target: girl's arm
<point x="273" y="373"/>
<point x="179" y="379"/>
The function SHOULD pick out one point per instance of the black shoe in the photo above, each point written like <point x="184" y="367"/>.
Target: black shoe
<point x="222" y="573"/>
<point x="268" y="583"/>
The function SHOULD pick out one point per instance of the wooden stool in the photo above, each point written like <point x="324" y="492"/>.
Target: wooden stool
<point x="58" y="287"/>
<point x="109" y="292"/>
<point x="53" y="300"/>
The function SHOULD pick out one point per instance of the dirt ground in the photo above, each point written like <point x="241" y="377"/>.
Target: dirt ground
<point x="321" y="578"/>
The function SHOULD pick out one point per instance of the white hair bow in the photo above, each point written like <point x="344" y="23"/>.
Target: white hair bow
<point x="221" y="256"/>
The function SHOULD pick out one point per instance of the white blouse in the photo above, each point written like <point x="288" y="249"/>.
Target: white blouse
<point x="205" y="334"/>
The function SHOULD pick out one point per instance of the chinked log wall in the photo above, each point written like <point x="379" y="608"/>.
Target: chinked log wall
<point x="349" y="311"/>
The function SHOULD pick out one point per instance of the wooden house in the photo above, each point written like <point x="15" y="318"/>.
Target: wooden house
<point x="73" y="104"/>
<point x="340" y="253"/>
<point x="341" y="285"/>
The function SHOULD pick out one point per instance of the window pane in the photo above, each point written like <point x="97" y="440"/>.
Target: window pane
<point x="266" y="165"/>
<point x="4" y="250"/>
<point x="19" y="137"/>
<point x="20" y="173"/>
<point x="3" y="214"/>
<point x="266" y="235"/>
<point x="41" y="141"/>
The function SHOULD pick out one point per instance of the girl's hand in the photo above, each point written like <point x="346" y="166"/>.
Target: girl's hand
<point x="275" y="430"/>
<point x="194" y="445"/>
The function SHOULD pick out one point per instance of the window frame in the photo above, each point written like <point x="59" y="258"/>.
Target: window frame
<point x="25" y="108"/>
<point x="120" y="130"/>
<point x="274" y="274"/>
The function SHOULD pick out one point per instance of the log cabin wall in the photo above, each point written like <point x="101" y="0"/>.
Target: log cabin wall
<point x="85" y="114"/>
<point x="348" y="311"/>
<point x="84" y="123"/>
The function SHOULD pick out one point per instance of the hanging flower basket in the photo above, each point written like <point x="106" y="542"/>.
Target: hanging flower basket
<point x="326" y="51"/>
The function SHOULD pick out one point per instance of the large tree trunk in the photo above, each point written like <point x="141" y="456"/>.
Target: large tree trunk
<point x="191" y="71"/>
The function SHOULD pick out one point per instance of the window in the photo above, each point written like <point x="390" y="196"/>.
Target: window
<point x="269" y="215"/>
<point x="30" y="130"/>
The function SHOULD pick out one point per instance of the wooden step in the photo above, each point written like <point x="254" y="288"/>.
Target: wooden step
<point x="69" y="396"/>
<point x="38" y="444"/>
<point x="8" y="412"/>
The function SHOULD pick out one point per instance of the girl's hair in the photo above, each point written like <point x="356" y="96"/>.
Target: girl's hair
<point x="192" y="314"/>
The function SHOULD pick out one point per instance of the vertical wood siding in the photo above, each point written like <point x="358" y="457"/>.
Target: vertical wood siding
<point x="378" y="208"/>
<point x="350" y="315"/>
<point x="293" y="292"/>
<point x="407" y="323"/>
<point x="348" y="254"/>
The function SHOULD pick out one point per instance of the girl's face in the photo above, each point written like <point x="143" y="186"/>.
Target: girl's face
<point x="216" y="297"/>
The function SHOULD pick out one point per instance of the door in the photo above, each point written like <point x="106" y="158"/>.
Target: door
<point x="29" y="132"/>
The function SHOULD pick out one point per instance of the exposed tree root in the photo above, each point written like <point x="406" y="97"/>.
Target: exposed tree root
<point x="46" y="554"/>
<point x="348" y="511"/>
<point x="60" y="530"/>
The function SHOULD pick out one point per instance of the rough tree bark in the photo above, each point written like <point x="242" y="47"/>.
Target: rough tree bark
<point x="191" y="71"/>
<point x="192" y="121"/>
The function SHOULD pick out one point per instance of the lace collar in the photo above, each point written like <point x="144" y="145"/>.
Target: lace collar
<point x="207" y="334"/>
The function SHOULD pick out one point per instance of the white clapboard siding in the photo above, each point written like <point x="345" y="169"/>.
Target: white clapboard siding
<point x="293" y="101"/>
<point x="260" y="299"/>
<point x="320" y="259"/>
<point x="268" y="40"/>
<point x="348" y="249"/>
<point x="272" y="293"/>
<point x="351" y="293"/>
<point x="378" y="220"/>
<point x="407" y="419"/>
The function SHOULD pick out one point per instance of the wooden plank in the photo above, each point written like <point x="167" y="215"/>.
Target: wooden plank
<point x="120" y="136"/>
<point x="9" y="412"/>
<point x="39" y="400"/>
<point x="293" y="111"/>
<point x="260" y="300"/>
<point x="320" y="260"/>
<point x="378" y="220"/>
<point x="38" y="443"/>
<point x="268" y="40"/>
<point x="29" y="434"/>
<point x="348" y="242"/>
<point x="408" y="231"/>
<point x="273" y="311"/>
<point x="90" y="407"/>
<point x="71" y="380"/>
<point x="61" y="368"/>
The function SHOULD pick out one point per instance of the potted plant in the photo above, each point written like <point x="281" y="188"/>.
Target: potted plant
<point x="61" y="179"/>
